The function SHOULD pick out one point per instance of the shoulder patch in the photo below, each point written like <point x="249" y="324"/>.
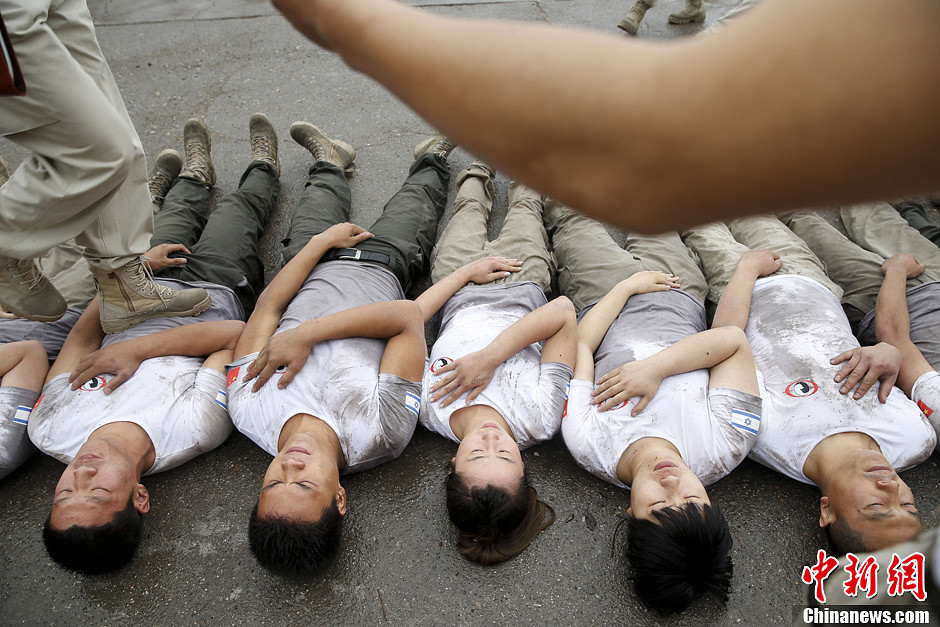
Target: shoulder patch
<point x="232" y="376"/>
<point x="924" y="407"/>
<point x="21" y="415"/>
<point x="221" y="399"/>
<point x="413" y="403"/>
<point x="745" y="421"/>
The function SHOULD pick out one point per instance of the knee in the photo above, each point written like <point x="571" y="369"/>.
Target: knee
<point x="115" y="161"/>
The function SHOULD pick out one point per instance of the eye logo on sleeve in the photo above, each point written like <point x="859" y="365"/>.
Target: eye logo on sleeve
<point x="439" y="363"/>
<point x="924" y="407"/>
<point x="94" y="384"/>
<point x="745" y="421"/>
<point x="413" y="403"/>
<point x="21" y="415"/>
<point x="801" y="388"/>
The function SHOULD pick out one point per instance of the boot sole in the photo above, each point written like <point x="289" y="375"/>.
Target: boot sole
<point x="34" y="317"/>
<point x="628" y="29"/>
<point x="116" y="326"/>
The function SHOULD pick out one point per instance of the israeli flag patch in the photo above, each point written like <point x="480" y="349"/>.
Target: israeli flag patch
<point x="221" y="399"/>
<point x="413" y="403"/>
<point x="745" y="421"/>
<point x="21" y="415"/>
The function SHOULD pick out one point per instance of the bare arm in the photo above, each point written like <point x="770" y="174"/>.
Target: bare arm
<point x="893" y="322"/>
<point x="595" y="323"/>
<point x="480" y="271"/>
<point x="554" y="322"/>
<point x="84" y="339"/>
<point x="708" y="349"/>
<point x="23" y="365"/>
<point x="734" y="307"/>
<point x="795" y="94"/>
<point x="376" y="320"/>
<point x="275" y="298"/>
<point x="123" y="358"/>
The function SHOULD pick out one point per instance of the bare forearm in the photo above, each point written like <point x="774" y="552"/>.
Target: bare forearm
<point x="433" y="298"/>
<point x="595" y="323"/>
<point x="536" y="326"/>
<point x="780" y="133"/>
<point x="376" y="320"/>
<point x="892" y="320"/>
<point x="702" y="350"/>
<point x="735" y="305"/>
<point x="191" y="340"/>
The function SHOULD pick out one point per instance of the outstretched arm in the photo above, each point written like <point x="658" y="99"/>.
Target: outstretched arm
<point x="480" y="271"/>
<point x="892" y="319"/>
<point x="595" y="323"/>
<point x="84" y="339"/>
<point x="795" y="93"/>
<point x="734" y="306"/>
<point x="554" y="322"/>
<point x="275" y="298"/>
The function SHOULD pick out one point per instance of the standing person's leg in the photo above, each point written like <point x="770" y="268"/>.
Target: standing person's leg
<point x="856" y="270"/>
<point x="87" y="176"/>
<point x="630" y="23"/>
<point x="915" y="212"/>
<point x="326" y="197"/>
<point x="718" y="253"/>
<point x="227" y="251"/>
<point x="879" y="228"/>
<point x="407" y="228"/>
<point x="67" y="268"/>
<point x="759" y="232"/>
<point x="464" y="237"/>
<point x="523" y="237"/>
<point x="667" y="253"/>
<point x="694" y="12"/>
<point x="590" y="262"/>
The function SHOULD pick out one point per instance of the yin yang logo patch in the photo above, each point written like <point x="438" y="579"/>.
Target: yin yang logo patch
<point x="801" y="388"/>
<point x="439" y="363"/>
<point x="94" y="384"/>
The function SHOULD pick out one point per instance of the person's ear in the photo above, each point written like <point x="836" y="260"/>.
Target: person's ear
<point x="341" y="500"/>
<point x="826" y="514"/>
<point x="453" y="460"/>
<point x="141" y="498"/>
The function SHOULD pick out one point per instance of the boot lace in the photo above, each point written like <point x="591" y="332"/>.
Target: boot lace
<point x="25" y="272"/>
<point x="159" y="184"/>
<point x="197" y="157"/>
<point x="141" y="277"/>
<point x="261" y="147"/>
<point x="442" y="147"/>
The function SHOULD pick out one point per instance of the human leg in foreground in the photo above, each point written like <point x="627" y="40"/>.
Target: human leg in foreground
<point x="847" y="445"/>
<point x="491" y="386"/>
<point x="87" y="173"/>
<point x="646" y="162"/>
<point x="645" y="362"/>
<point x="108" y="416"/>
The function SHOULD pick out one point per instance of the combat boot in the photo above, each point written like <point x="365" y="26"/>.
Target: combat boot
<point x="694" y="11"/>
<point x="631" y="22"/>
<point x="263" y="141"/>
<point x="436" y="145"/>
<point x="165" y="170"/>
<point x="129" y="295"/>
<point x="24" y="290"/>
<point x="333" y="151"/>
<point x="198" y="153"/>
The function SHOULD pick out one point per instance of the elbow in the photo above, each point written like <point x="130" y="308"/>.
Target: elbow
<point x="565" y="308"/>
<point x="733" y="336"/>
<point x="233" y="330"/>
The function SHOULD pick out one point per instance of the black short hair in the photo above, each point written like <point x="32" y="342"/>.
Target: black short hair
<point x="495" y="524"/>
<point x="843" y="539"/>
<point x="96" y="550"/>
<point x="288" y="546"/>
<point x="680" y="555"/>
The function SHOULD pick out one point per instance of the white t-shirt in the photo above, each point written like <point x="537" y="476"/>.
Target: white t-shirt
<point x="795" y="327"/>
<point x="373" y="415"/>
<point x="529" y="395"/>
<point x="926" y="393"/>
<point x="713" y="430"/>
<point x="178" y="403"/>
<point x="15" y="407"/>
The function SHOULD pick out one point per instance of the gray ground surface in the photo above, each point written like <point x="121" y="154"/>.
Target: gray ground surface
<point x="222" y="61"/>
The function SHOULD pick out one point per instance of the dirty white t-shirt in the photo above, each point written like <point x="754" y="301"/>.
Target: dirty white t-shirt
<point x="926" y="393"/>
<point x="15" y="407"/>
<point x="373" y="415"/>
<point x="179" y="404"/>
<point x="795" y="327"/>
<point x="528" y="394"/>
<point x="713" y="429"/>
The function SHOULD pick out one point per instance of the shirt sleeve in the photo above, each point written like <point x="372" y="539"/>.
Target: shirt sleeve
<point x="739" y="415"/>
<point x="15" y="407"/>
<point x="553" y="394"/>
<point x="926" y="393"/>
<point x="207" y="405"/>
<point x="399" y="407"/>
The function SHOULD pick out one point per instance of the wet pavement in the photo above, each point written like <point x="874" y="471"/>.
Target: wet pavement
<point x="222" y="61"/>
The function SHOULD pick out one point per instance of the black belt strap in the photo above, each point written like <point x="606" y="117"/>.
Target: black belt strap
<point x="354" y="254"/>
